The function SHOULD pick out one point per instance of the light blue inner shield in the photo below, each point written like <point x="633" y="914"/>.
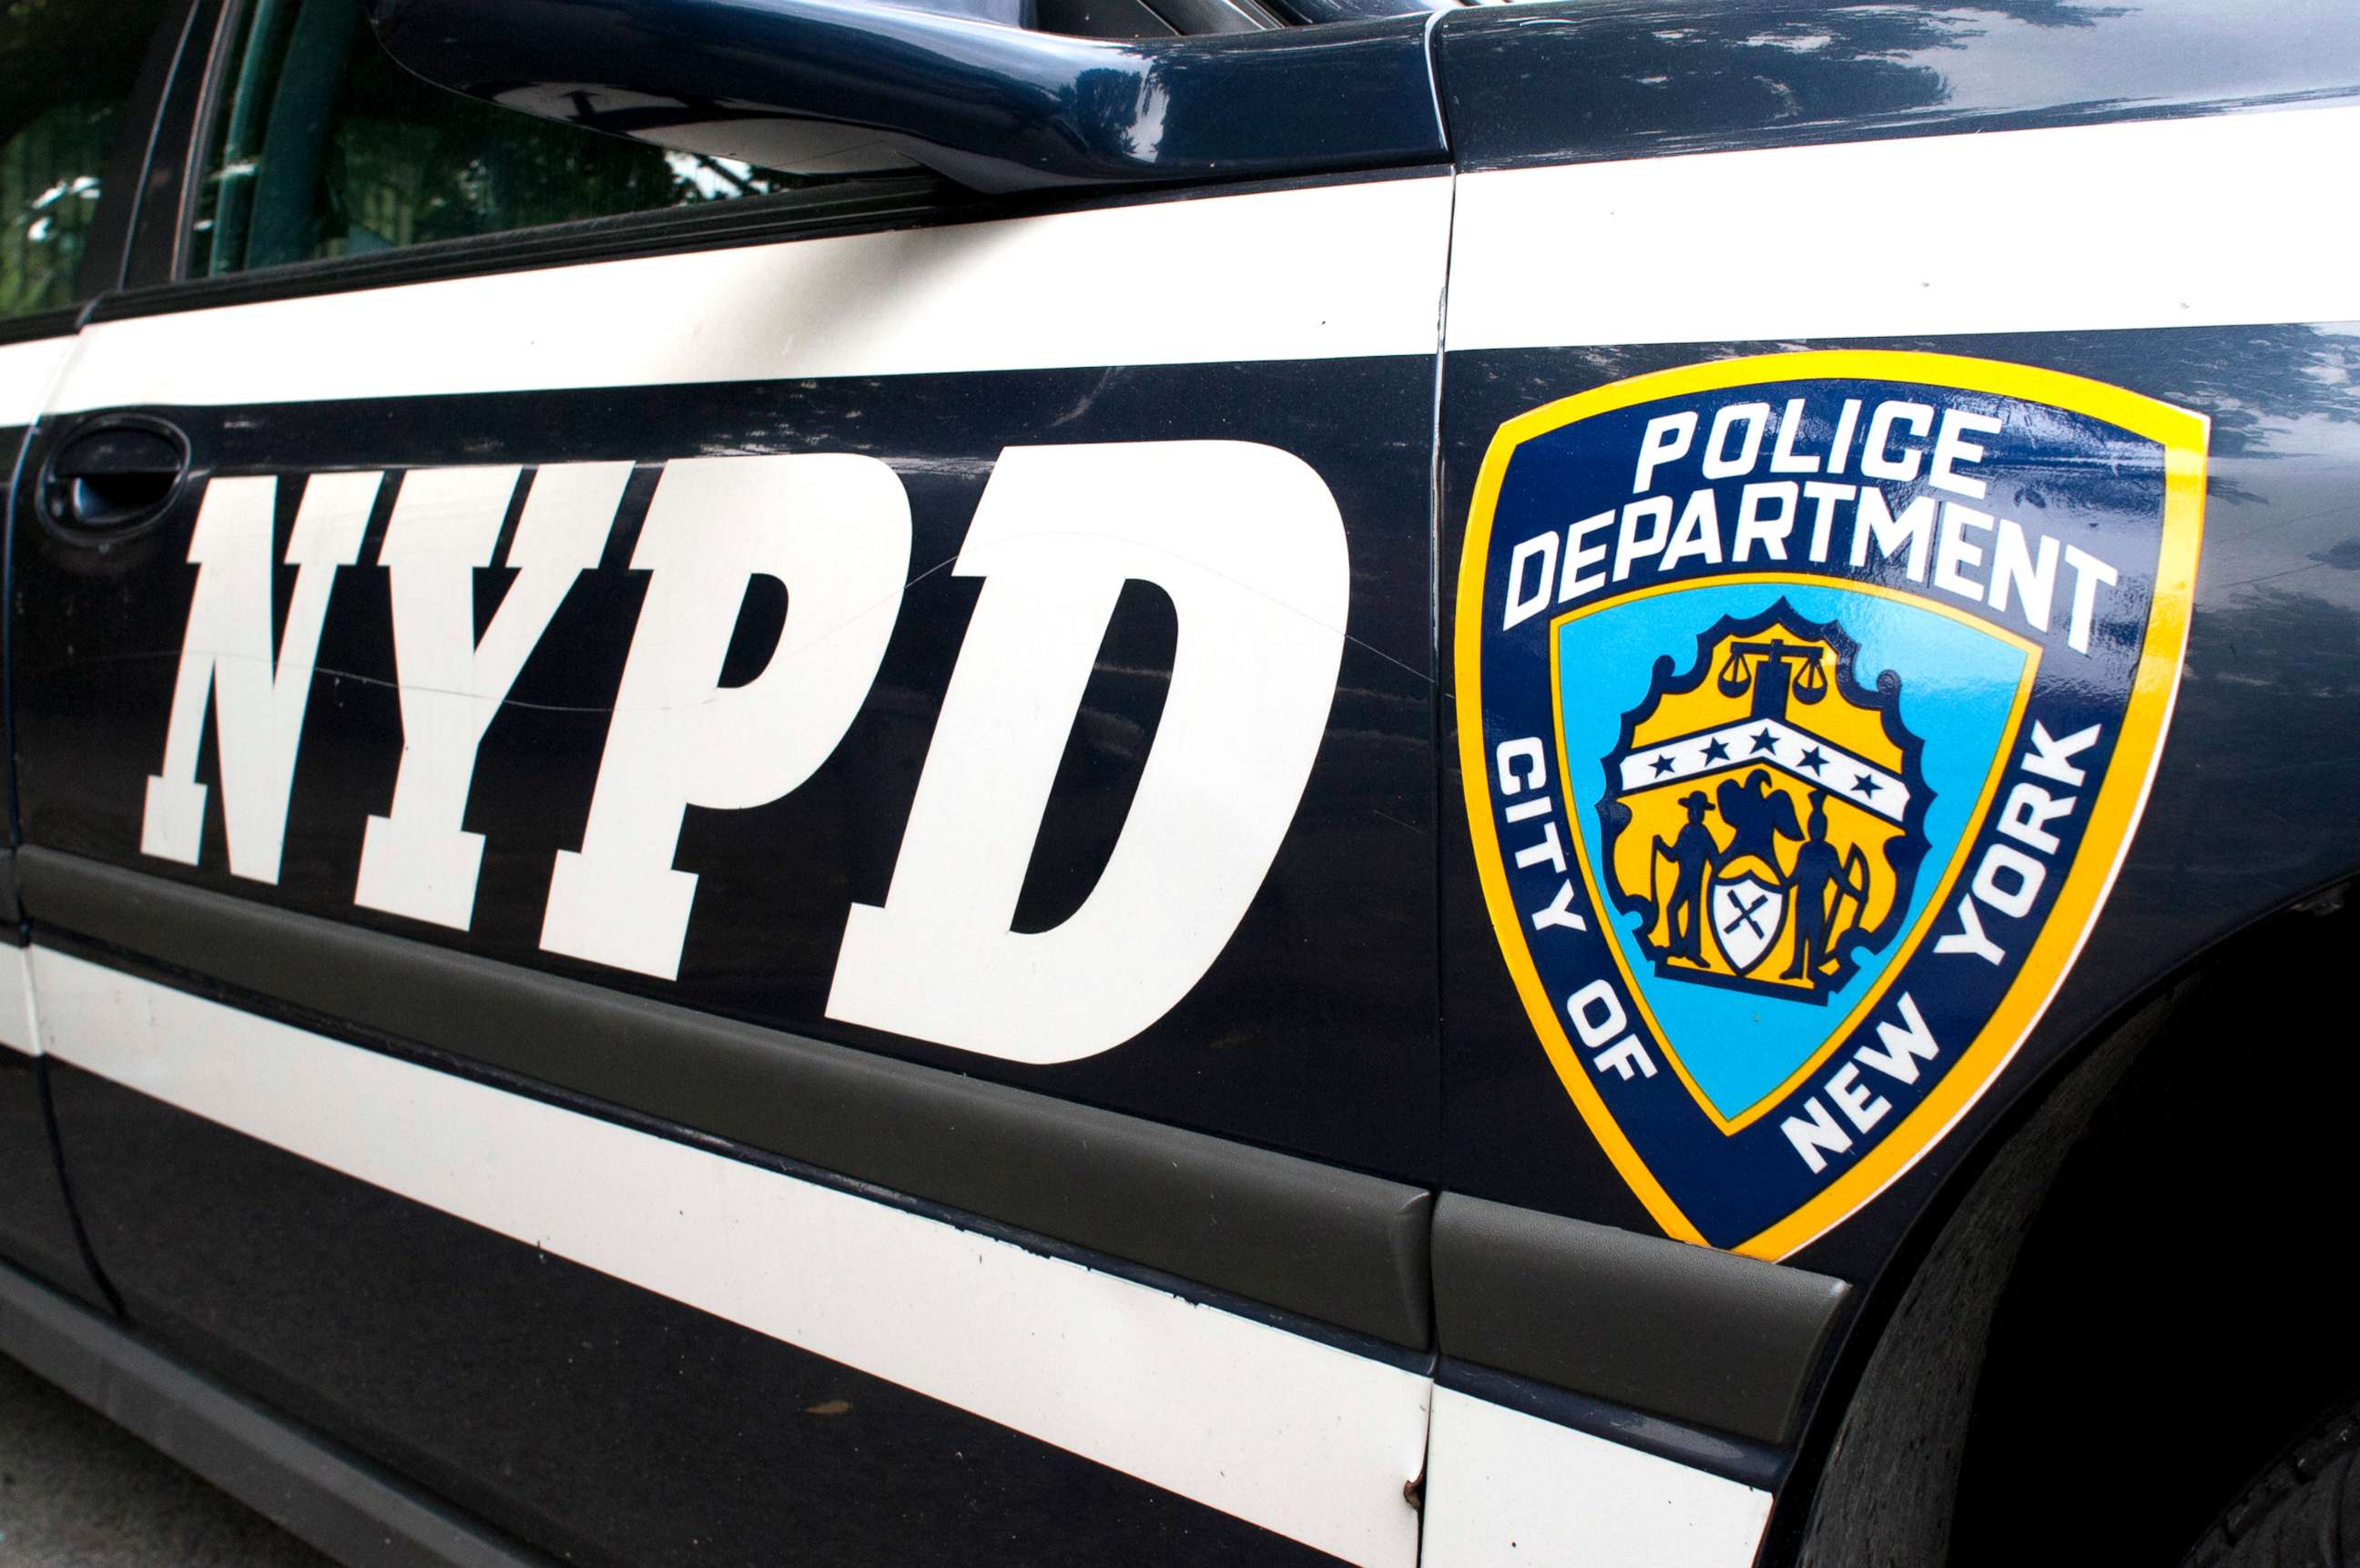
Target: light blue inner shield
<point x="1957" y="685"/>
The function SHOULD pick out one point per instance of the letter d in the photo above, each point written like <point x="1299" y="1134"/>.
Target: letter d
<point x="1247" y="542"/>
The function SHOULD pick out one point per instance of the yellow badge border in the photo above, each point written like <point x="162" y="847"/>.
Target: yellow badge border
<point x="2122" y="795"/>
<point x="1934" y="905"/>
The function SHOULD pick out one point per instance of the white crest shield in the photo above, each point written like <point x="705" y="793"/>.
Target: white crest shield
<point x="1747" y="916"/>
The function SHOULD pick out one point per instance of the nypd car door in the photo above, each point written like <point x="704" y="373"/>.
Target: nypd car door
<point x="1821" y="560"/>
<point x="734" y="855"/>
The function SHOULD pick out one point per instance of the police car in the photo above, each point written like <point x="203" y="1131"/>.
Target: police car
<point x="1132" y="780"/>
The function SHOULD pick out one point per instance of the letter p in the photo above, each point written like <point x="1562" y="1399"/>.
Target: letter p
<point x="835" y="528"/>
<point x="1668" y="440"/>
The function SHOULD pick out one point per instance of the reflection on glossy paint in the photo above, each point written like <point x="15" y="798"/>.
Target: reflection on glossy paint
<point x="1749" y="75"/>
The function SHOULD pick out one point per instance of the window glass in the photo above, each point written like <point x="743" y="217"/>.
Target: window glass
<point x="323" y="147"/>
<point x="66" y="73"/>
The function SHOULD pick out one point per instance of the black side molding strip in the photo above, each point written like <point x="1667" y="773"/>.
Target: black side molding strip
<point x="1679" y="1330"/>
<point x="332" y="1499"/>
<point x="1333" y="1244"/>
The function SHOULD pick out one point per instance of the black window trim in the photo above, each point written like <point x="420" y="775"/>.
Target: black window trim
<point x="792" y="215"/>
<point x="867" y="207"/>
<point x="103" y="265"/>
<point x="34" y="326"/>
<point x="197" y="83"/>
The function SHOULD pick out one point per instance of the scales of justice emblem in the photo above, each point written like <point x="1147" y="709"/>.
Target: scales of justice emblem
<point x="1764" y="813"/>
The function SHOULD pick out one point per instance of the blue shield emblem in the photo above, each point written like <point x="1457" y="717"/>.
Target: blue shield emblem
<point x="1806" y="706"/>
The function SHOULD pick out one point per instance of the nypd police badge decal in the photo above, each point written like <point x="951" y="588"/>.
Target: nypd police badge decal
<point x="1806" y="706"/>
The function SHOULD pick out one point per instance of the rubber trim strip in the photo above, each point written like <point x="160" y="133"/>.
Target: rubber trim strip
<point x="1332" y="1245"/>
<point x="1684" y="1331"/>
<point x="63" y="322"/>
<point x="336" y="1502"/>
<point x="818" y="212"/>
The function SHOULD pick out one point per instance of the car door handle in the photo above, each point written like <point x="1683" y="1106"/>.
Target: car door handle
<point x="114" y="474"/>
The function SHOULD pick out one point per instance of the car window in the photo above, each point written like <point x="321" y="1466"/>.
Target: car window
<point x="66" y="73"/>
<point x="321" y="146"/>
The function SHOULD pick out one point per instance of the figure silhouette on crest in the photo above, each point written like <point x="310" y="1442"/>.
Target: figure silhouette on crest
<point x="1820" y="870"/>
<point x="1693" y="853"/>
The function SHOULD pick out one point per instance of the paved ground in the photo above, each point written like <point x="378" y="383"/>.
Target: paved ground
<point x="77" y="1491"/>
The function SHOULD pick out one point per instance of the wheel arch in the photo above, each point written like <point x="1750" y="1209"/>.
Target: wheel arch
<point x="2017" y="1325"/>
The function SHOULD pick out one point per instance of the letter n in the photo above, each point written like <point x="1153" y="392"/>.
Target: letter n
<point x="227" y="661"/>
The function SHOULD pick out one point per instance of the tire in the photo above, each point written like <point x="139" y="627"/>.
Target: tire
<point x="2303" y="1511"/>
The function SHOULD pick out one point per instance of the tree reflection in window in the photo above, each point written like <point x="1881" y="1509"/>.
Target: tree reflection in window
<point x="66" y="74"/>
<point x="323" y="147"/>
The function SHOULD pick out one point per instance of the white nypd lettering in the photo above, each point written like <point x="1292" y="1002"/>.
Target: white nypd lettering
<point x="1667" y="440"/>
<point x="1903" y="1043"/>
<point x="1974" y="554"/>
<point x="2003" y="887"/>
<point x="1523" y="767"/>
<point x="417" y="859"/>
<point x="1247" y="542"/>
<point x="1599" y="1021"/>
<point x="834" y="528"/>
<point x="1245" y="539"/>
<point x="227" y="661"/>
<point x="2008" y="881"/>
<point x="1878" y="459"/>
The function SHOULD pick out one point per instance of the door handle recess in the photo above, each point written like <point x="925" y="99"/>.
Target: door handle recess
<point x="114" y="474"/>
